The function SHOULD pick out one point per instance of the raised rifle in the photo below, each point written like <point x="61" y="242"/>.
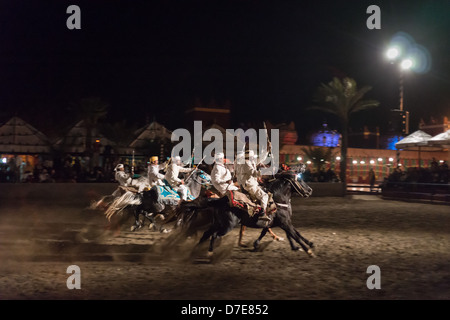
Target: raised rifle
<point x="192" y="172"/>
<point x="132" y="165"/>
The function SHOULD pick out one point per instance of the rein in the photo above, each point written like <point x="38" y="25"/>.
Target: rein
<point x="299" y="188"/>
<point x="284" y="205"/>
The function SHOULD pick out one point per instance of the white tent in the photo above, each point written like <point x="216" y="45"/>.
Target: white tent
<point x="417" y="141"/>
<point x="442" y="139"/>
<point x="17" y="136"/>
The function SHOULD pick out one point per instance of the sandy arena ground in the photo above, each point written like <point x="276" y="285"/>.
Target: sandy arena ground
<point x="409" y="242"/>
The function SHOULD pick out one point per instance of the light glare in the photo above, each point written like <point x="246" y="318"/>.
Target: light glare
<point x="392" y="53"/>
<point x="406" y="64"/>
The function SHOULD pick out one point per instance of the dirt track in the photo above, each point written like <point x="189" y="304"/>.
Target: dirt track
<point x="410" y="242"/>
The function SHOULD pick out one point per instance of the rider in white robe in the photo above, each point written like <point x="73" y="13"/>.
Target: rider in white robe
<point x="154" y="176"/>
<point x="221" y="177"/>
<point x="123" y="178"/>
<point x="173" y="170"/>
<point x="247" y="175"/>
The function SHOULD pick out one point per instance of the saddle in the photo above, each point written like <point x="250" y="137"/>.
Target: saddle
<point x="241" y="200"/>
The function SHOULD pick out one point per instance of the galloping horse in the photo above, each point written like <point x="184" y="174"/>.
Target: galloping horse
<point x="226" y="217"/>
<point x="150" y="204"/>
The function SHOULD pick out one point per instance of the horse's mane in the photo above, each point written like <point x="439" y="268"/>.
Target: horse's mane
<point x="277" y="184"/>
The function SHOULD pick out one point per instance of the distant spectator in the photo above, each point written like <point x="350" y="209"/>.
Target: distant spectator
<point x="372" y="179"/>
<point x="331" y="176"/>
<point x="44" y="176"/>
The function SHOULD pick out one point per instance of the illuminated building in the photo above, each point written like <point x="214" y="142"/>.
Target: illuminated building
<point x="326" y="137"/>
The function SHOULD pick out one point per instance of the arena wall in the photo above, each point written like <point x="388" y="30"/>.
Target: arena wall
<point x="73" y="193"/>
<point x="326" y="189"/>
<point x="84" y="193"/>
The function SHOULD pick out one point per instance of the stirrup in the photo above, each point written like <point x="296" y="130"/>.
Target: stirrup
<point x="263" y="216"/>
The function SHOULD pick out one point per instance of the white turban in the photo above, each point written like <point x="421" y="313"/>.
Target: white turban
<point x="176" y="159"/>
<point x="219" y="156"/>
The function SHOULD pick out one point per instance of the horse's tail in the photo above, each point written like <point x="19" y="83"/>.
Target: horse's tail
<point x="101" y="204"/>
<point x="127" y="199"/>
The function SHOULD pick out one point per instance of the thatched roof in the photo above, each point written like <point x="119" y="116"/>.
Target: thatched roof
<point x="153" y="131"/>
<point x="18" y="136"/>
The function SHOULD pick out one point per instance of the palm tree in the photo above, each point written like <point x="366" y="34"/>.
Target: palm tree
<point x="120" y="132"/>
<point x="318" y="156"/>
<point x="342" y="98"/>
<point x="91" y="110"/>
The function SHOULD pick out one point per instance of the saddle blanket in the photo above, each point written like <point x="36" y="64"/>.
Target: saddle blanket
<point x="242" y="201"/>
<point x="166" y="194"/>
<point x="169" y="196"/>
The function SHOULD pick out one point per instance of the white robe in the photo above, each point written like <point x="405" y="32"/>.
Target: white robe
<point x="172" y="178"/>
<point x="154" y="177"/>
<point x="124" y="180"/>
<point x="247" y="176"/>
<point x="220" y="177"/>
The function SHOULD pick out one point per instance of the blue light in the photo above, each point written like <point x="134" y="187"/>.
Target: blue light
<point x="326" y="139"/>
<point x="391" y="141"/>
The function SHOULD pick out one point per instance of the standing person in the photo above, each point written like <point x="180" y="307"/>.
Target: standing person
<point x="221" y="177"/>
<point x="247" y="175"/>
<point x="372" y="179"/>
<point x="154" y="176"/>
<point x="171" y="176"/>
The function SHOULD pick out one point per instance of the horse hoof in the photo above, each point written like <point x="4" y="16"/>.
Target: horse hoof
<point x="279" y="239"/>
<point x="311" y="253"/>
<point x="133" y="228"/>
<point x="165" y="230"/>
<point x="152" y="226"/>
<point x="210" y="254"/>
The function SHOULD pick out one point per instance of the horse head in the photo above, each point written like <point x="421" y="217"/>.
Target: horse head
<point x="197" y="180"/>
<point x="294" y="177"/>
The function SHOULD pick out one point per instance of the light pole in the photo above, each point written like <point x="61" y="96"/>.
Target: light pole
<point x="394" y="55"/>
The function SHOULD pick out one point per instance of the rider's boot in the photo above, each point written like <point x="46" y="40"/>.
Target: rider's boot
<point x="263" y="216"/>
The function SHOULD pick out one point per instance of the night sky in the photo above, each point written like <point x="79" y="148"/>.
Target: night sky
<point x="153" y="59"/>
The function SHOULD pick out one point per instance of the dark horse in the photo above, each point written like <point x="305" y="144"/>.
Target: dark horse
<point x="226" y="217"/>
